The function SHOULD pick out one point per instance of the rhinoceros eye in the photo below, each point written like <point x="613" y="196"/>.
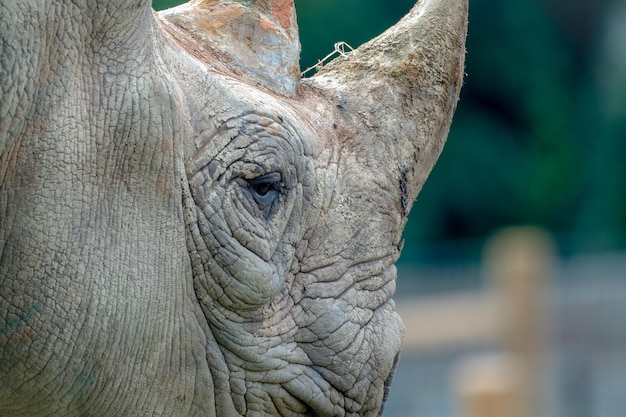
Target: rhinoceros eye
<point x="265" y="189"/>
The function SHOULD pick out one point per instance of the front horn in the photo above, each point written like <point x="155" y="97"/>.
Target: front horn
<point x="404" y="85"/>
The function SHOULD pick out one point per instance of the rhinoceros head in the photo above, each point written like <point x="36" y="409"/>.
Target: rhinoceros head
<point x="187" y="227"/>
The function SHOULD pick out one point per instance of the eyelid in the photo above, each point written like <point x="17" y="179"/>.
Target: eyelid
<point x="271" y="178"/>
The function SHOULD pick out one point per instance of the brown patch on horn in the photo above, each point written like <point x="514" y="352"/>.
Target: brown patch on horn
<point x="283" y="10"/>
<point x="256" y="40"/>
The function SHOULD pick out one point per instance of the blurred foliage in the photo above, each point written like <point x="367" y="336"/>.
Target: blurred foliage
<point x="539" y="132"/>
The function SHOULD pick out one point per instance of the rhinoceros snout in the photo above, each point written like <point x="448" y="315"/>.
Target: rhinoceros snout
<point x="387" y="385"/>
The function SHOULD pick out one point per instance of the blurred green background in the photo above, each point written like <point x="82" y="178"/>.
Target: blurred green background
<point x="538" y="135"/>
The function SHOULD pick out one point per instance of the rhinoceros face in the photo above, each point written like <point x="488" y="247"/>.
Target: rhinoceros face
<point x="189" y="229"/>
<point x="292" y="268"/>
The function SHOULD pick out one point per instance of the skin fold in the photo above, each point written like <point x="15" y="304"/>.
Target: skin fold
<point x="186" y="231"/>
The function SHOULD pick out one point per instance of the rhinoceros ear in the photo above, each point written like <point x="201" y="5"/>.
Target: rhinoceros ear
<point x="258" y="39"/>
<point x="405" y="85"/>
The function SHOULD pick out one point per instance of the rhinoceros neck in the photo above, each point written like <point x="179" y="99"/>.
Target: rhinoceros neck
<point x="94" y="265"/>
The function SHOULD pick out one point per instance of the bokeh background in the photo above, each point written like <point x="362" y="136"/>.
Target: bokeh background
<point x="538" y="139"/>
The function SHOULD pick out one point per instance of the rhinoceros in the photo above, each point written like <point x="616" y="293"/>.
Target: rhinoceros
<point x="190" y="228"/>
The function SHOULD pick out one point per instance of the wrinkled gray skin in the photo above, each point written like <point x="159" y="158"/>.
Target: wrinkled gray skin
<point x="179" y="240"/>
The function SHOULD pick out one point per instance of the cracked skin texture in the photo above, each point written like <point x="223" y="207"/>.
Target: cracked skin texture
<point x="179" y="239"/>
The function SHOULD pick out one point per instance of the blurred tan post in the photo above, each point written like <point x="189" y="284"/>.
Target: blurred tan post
<point x="518" y="264"/>
<point x="488" y="386"/>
